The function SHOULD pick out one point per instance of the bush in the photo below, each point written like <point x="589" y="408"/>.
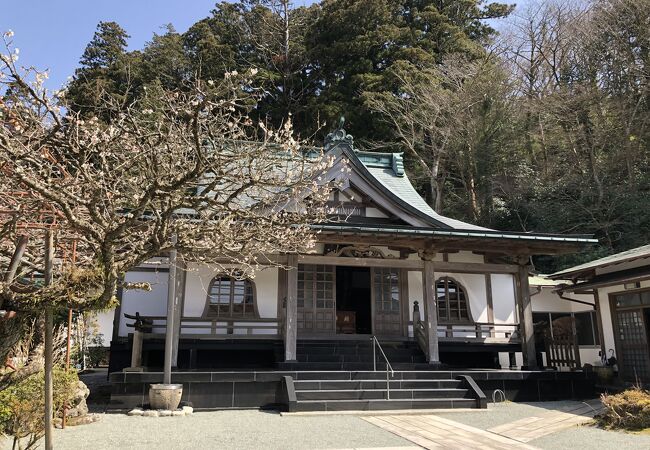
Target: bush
<point x="22" y="405"/>
<point x="628" y="410"/>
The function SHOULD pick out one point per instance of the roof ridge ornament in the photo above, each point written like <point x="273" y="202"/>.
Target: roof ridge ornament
<point x="339" y="135"/>
<point x="398" y="164"/>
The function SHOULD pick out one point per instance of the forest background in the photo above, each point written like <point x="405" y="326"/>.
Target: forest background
<point x="542" y="126"/>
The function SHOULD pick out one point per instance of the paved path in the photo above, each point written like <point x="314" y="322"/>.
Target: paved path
<point x="432" y="432"/>
<point x="534" y="427"/>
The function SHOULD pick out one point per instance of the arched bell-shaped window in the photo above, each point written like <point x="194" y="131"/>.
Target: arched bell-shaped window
<point x="230" y="297"/>
<point x="453" y="305"/>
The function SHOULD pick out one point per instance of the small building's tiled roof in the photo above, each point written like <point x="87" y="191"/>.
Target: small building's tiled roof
<point x="618" y="258"/>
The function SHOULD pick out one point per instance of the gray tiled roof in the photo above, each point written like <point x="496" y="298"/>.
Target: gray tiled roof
<point x="387" y="169"/>
<point x="617" y="258"/>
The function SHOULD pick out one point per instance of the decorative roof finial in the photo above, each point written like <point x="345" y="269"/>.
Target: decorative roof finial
<point x="339" y="135"/>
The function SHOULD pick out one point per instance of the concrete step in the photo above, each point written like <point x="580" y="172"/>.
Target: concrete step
<point x="375" y="384"/>
<point x="347" y="366"/>
<point x="382" y="404"/>
<point x="398" y="358"/>
<point x="375" y="394"/>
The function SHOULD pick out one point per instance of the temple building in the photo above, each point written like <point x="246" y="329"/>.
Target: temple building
<point x="395" y="290"/>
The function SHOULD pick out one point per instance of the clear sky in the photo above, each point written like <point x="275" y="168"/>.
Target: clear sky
<point x="52" y="34"/>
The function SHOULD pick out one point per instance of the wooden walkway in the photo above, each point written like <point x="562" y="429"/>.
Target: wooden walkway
<point x="525" y="430"/>
<point x="433" y="432"/>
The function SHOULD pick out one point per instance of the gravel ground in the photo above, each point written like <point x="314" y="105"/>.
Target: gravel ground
<point x="591" y="437"/>
<point x="249" y="429"/>
<point x="501" y="413"/>
<point x="244" y="429"/>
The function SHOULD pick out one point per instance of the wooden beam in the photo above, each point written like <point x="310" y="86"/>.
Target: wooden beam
<point x="290" y="325"/>
<point x="361" y="262"/>
<point x="415" y="264"/>
<point x="431" y="311"/>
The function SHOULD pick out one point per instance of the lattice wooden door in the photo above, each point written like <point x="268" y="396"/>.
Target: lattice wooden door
<point x="316" y="299"/>
<point x="387" y="309"/>
<point x="633" y="341"/>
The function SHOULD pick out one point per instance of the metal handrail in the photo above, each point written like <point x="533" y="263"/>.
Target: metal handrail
<point x="375" y="343"/>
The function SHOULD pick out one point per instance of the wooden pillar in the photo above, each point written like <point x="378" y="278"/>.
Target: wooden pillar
<point x="431" y="311"/>
<point x="49" y="343"/>
<point x="290" y="322"/>
<point x="136" y="351"/>
<point x="179" y="303"/>
<point x="171" y="309"/>
<point x="526" y="317"/>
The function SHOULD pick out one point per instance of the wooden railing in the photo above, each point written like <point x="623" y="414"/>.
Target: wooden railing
<point x="480" y="331"/>
<point x="562" y="351"/>
<point x="419" y="330"/>
<point x="489" y="333"/>
<point x="218" y="328"/>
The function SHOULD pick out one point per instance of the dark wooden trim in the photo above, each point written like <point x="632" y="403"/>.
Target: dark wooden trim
<point x="445" y="257"/>
<point x="404" y="299"/>
<point x="488" y="297"/>
<point x="282" y="293"/>
<point x="395" y="263"/>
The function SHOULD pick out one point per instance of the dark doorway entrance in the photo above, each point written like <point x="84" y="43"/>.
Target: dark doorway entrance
<point x="353" y="307"/>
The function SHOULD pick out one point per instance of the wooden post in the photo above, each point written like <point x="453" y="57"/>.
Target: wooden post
<point x="49" y="341"/>
<point x="431" y="311"/>
<point x="526" y="318"/>
<point x="171" y="309"/>
<point x="179" y="303"/>
<point x="136" y="351"/>
<point x="290" y="328"/>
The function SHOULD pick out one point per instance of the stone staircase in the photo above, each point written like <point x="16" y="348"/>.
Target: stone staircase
<point x="363" y="390"/>
<point x="338" y="375"/>
<point x="354" y="355"/>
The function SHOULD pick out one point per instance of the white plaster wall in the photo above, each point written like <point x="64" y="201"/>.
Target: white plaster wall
<point x="104" y="321"/>
<point x="549" y="301"/>
<point x="147" y="303"/>
<point x="375" y="212"/>
<point x="503" y="298"/>
<point x="467" y="257"/>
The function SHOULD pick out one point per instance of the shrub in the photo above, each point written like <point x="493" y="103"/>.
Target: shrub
<point x="628" y="410"/>
<point x="22" y="405"/>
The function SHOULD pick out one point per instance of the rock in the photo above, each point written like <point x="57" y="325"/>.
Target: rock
<point x="178" y="412"/>
<point x="135" y="412"/>
<point x="188" y="410"/>
<point x="79" y="406"/>
<point x="164" y="413"/>
<point x="150" y="413"/>
<point x="83" y="420"/>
